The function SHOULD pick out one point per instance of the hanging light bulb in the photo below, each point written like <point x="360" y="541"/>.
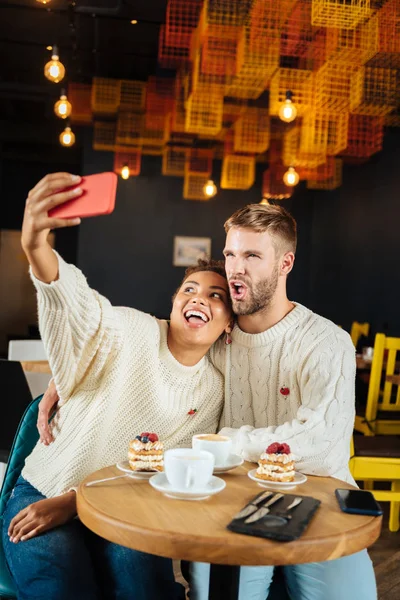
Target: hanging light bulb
<point x="291" y="177"/>
<point x="67" y="137"/>
<point x="54" y="69"/>
<point x="62" y="107"/>
<point x="288" y="110"/>
<point x="264" y="201"/>
<point x="125" y="172"/>
<point x="43" y="1"/>
<point x="210" y="189"/>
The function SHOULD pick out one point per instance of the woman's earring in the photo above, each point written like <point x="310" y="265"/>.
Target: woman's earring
<point x="228" y="339"/>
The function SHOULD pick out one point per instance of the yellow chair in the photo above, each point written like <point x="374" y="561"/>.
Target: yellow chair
<point x="357" y="330"/>
<point x="378" y="459"/>
<point x="382" y="413"/>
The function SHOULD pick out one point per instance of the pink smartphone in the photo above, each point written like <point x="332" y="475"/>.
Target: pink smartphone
<point x="98" y="198"/>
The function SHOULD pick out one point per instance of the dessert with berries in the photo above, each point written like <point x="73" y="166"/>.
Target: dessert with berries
<point x="146" y="453"/>
<point x="276" y="463"/>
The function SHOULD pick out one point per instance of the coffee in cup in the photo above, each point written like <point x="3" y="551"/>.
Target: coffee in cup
<point x="219" y="445"/>
<point x="188" y="469"/>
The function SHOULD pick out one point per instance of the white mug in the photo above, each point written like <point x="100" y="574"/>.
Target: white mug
<point x="187" y="469"/>
<point x="368" y="353"/>
<point x="219" y="445"/>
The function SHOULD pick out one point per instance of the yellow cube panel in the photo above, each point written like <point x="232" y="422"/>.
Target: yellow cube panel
<point x="174" y="160"/>
<point x="251" y="131"/>
<point x="204" y="111"/>
<point x="193" y="186"/>
<point x="129" y="129"/>
<point x="374" y="91"/>
<point x="133" y="95"/>
<point x="273" y="187"/>
<point x="331" y="183"/>
<point x="344" y="14"/>
<point x="365" y="136"/>
<point x="323" y="132"/>
<point x="297" y="81"/>
<point x="238" y="172"/>
<point x="294" y="157"/>
<point x="353" y="46"/>
<point x="105" y="95"/>
<point x="104" y="135"/>
<point x="332" y="87"/>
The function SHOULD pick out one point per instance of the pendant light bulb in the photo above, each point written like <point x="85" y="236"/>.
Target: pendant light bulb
<point x="291" y="177"/>
<point x="54" y="70"/>
<point x="125" y="172"/>
<point x="264" y="201"/>
<point x="288" y="110"/>
<point x="210" y="189"/>
<point x="63" y="107"/>
<point x="67" y="137"/>
<point x="43" y="1"/>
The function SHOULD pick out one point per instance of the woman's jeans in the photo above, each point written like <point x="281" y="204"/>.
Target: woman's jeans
<point x="348" y="578"/>
<point x="72" y="563"/>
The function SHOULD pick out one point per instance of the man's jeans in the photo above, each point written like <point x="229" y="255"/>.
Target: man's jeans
<point x="71" y="562"/>
<point x="348" y="578"/>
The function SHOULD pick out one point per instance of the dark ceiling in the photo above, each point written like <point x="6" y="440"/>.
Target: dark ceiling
<point x="94" y="38"/>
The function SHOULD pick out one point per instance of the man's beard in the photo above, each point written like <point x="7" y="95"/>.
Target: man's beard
<point x="258" y="298"/>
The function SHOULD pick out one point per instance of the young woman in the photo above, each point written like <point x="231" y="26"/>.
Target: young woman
<point x="118" y="372"/>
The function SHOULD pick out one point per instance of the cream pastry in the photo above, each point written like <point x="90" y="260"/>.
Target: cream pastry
<point x="146" y="453"/>
<point x="276" y="463"/>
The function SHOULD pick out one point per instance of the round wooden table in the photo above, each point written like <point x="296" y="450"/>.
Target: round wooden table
<point x="131" y="513"/>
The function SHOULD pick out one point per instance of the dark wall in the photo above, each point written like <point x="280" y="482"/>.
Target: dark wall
<point x="127" y="255"/>
<point x="18" y="175"/>
<point x="354" y="266"/>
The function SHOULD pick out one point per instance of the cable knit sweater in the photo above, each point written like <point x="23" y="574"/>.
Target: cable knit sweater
<point x="116" y="378"/>
<point x="293" y="383"/>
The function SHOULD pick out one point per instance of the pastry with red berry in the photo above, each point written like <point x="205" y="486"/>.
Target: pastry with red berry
<point x="276" y="463"/>
<point x="146" y="453"/>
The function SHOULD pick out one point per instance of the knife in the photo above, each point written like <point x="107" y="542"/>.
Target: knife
<point x="264" y="510"/>
<point x="253" y="506"/>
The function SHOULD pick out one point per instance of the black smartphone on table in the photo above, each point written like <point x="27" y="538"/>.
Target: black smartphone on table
<point x="359" y="502"/>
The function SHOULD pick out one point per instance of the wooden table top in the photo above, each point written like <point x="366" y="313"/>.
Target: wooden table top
<point x="36" y="366"/>
<point x="131" y="513"/>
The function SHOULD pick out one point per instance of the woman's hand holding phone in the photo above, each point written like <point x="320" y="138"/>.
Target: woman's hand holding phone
<point x="37" y="223"/>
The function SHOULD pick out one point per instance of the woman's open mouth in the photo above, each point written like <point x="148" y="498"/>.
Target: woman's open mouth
<point x="196" y="318"/>
<point x="238" y="290"/>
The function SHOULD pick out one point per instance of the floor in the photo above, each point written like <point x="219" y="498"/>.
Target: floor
<point x="385" y="554"/>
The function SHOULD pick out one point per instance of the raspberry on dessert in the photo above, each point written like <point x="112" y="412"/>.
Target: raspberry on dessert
<point x="153" y="437"/>
<point x="285" y="449"/>
<point x="145" y="434"/>
<point x="273" y="448"/>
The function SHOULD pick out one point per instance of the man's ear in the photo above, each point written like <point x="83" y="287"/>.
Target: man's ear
<point x="287" y="263"/>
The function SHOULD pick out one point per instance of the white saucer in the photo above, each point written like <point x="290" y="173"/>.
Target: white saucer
<point x="234" y="460"/>
<point x="124" y="466"/>
<point x="160" y="483"/>
<point x="299" y="478"/>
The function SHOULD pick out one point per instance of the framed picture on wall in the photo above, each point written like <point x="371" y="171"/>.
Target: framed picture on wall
<point x="187" y="250"/>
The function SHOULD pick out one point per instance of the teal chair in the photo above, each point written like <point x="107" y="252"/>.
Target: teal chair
<point x="24" y="441"/>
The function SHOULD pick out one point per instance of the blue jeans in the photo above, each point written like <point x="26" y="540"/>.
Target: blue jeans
<point x="348" y="578"/>
<point x="71" y="562"/>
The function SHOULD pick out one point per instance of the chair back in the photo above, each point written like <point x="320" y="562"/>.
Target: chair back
<point x="17" y="397"/>
<point x="357" y="330"/>
<point x="382" y="394"/>
<point x="25" y="439"/>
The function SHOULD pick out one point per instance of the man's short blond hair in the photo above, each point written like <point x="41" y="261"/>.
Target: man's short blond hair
<point x="267" y="217"/>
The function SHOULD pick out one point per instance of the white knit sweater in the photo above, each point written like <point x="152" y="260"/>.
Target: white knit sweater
<point x="116" y="378"/>
<point x="293" y="383"/>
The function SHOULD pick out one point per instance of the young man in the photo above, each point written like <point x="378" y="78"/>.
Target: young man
<point x="289" y="377"/>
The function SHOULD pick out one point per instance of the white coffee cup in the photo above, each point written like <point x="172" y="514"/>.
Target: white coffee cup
<point x="219" y="445"/>
<point x="187" y="469"/>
